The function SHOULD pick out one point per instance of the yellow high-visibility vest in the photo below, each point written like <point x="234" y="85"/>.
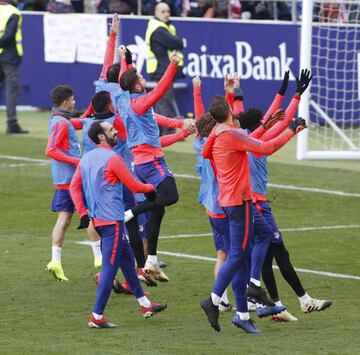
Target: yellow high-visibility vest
<point x="151" y="62"/>
<point x="6" y="11"/>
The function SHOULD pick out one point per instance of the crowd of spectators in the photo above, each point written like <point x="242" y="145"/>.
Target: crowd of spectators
<point x="232" y="9"/>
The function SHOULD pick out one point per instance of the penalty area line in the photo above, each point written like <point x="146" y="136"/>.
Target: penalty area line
<point x="206" y="258"/>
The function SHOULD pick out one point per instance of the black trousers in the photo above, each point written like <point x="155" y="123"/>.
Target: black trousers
<point x="166" y="195"/>
<point x="281" y="255"/>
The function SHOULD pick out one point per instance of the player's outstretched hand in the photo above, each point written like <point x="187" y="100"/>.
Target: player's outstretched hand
<point x="196" y="80"/>
<point x="278" y="115"/>
<point x="122" y="50"/>
<point x="115" y="24"/>
<point x="304" y="81"/>
<point x="84" y="221"/>
<point x="221" y="128"/>
<point x="175" y="59"/>
<point x="284" y="83"/>
<point x="297" y="125"/>
<point x="189" y="125"/>
<point x="229" y="82"/>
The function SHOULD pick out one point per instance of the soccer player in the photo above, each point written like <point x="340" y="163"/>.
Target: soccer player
<point x="108" y="80"/>
<point x="64" y="150"/>
<point x="229" y="152"/>
<point x="135" y="108"/>
<point x="264" y="219"/>
<point x="99" y="180"/>
<point x="209" y="190"/>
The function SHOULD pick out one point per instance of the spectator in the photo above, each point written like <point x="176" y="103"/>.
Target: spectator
<point x="11" y="53"/>
<point x="199" y="9"/>
<point x="31" y="5"/>
<point x="161" y="39"/>
<point x="60" y="6"/>
<point x="148" y="6"/>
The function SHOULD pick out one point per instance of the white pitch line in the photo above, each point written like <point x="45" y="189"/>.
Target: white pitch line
<point x="12" y="157"/>
<point x="206" y="258"/>
<point x="302" y="229"/>
<point x="20" y="165"/>
<point x="188" y="176"/>
<point x="308" y="271"/>
<point x="289" y="187"/>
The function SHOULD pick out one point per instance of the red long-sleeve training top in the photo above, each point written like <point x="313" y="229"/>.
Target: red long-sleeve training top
<point x="229" y="151"/>
<point x="57" y="145"/>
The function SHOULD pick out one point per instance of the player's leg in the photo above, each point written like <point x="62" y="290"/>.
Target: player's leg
<point x="240" y="231"/>
<point x="95" y="241"/>
<point x="281" y="255"/>
<point x="239" y="283"/>
<point x="287" y="270"/>
<point x="268" y="275"/>
<point x="261" y="241"/>
<point x="63" y="205"/>
<point x="166" y="195"/>
<point x="111" y="237"/>
<point x="220" y="229"/>
<point x="127" y="265"/>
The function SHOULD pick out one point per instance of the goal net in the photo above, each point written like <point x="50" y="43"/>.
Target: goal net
<point x="330" y="46"/>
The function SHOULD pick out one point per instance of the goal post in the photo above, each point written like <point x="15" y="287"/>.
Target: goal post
<point x="330" y="47"/>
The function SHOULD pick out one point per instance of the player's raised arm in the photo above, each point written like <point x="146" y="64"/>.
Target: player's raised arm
<point x="110" y="48"/>
<point x="198" y="101"/>
<point x="143" y="103"/>
<point x="302" y="84"/>
<point x="241" y="141"/>
<point x="229" y="83"/>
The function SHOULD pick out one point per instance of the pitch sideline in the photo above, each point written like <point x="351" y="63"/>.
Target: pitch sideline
<point x="206" y="258"/>
<point x="188" y="176"/>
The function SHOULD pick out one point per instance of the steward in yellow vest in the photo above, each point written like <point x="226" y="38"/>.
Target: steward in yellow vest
<point x="11" y="53"/>
<point x="11" y="49"/>
<point x="160" y="40"/>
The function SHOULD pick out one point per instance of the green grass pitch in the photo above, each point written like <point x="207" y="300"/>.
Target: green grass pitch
<point x="42" y="316"/>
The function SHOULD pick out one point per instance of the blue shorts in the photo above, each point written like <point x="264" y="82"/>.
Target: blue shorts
<point x="264" y="210"/>
<point x="153" y="172"/>
<point x="220" y="228"/>
<point x="128" y="198"/>
<point x="62" y="202"/>
<point x="143" y="221"/>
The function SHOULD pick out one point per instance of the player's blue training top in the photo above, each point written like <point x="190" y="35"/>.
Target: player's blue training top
<point x="103" y="200"/>
<point x="258" y="172"/>
<point x="112" y="88"/>
<point x="209" y="189"/>
<point x="62" y="173"/>
<point x="141" y="129"/>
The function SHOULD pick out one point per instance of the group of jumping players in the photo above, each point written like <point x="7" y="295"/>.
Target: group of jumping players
<point x="121" y="185"/>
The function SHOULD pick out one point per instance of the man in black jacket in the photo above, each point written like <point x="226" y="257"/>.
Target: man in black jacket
<point x="161" y="39"/>
<point x="10" y="59"/>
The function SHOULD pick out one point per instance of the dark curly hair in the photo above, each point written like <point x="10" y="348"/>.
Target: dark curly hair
<point x="250" y="119"/>
<point x="205" y="124"/>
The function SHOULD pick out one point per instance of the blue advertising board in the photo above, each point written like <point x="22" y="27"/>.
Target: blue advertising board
<point x="259" y="52"/>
